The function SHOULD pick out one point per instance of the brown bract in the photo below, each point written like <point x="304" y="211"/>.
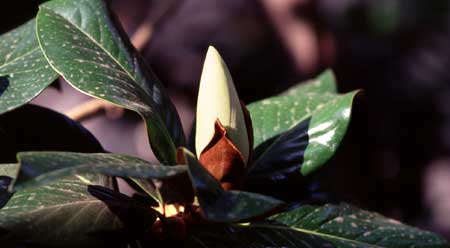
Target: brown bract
<point x="249" y="126"/>
<point x="223" y="159"/>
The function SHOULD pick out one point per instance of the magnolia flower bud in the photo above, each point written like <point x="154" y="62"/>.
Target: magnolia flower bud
<point x="218" y="100"/>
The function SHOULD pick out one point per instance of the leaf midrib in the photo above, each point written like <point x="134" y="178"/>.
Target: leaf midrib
<point x="17" y="58"/>
<point x="329" y="236"/>
<point x="55" y="206"/>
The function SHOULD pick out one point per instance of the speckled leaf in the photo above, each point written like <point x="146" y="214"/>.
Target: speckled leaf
<point x="323" y="83"/>
<point x="225" y="206"/>
<point x="234" y="236"/>
<point x="329" y="113"/>
<point x="62" y="214"/>
<point x="24" y="72"/>
<point x="81" y="42"/>
<point x="38" y="168"/>
<point x="349" y="227"/>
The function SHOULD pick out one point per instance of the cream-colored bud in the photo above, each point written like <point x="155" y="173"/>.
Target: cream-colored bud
<point x="218" y="99"/>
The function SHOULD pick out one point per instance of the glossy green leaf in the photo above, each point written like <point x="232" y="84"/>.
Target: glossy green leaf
<point x="24" y="72"/>
<point x="349" y="227"/>
<point x="234" y="236"/>
<point x="82" y="43"/>
<point x="38" y="168"/>
<point x="323" y="83"/>
<point x="225" y="206"/>
<point x="329" y="113"/>
<point x="62" y="214"/>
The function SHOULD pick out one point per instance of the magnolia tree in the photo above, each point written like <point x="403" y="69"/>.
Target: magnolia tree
<point x="242" y="183"/>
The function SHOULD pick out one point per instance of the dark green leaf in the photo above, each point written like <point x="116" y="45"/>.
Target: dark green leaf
<point x="284" y="155"/>
<point x="135" y="216"/>
<point x="233" y="236"/>
<point x="38" y="168"/>
<point x="34" y="128"/>
<point x="24" y="72"/>
<point x="62" y="214"/>
<point x="225" y="206"/>
<point x="349" y="227"/>
<point x="82" y="44"/>
<point x="329" y="115"/>
<point x="149" y="188"/>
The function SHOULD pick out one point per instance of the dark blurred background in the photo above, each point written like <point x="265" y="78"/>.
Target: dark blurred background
<point x="395" y="158"/>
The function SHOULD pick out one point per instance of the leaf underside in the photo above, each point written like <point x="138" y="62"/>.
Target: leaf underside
<point x="317" y="100"/>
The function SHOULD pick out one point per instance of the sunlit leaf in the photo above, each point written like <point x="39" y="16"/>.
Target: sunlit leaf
<point x="83" y="44"/>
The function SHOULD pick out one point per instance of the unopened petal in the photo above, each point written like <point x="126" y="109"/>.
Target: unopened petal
<point x="218" y="99"/>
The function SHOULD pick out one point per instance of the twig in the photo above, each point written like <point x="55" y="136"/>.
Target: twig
<point x="86" y="109"/>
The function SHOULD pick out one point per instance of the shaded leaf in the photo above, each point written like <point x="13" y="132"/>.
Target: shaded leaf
<point x="135" y="216"/>
<point x="225" y="206"/>
<point x="38" y="168"/>
<point x="49" y="131"/>
<point x="61" y="214"/>
<point x="234" y="236"/>
<point x="82" y="44"/>
<point x="329" y="115"/>
<point x="347" y="226"/>
<point x="24" y="71"/>
<point x="5" y="194"/>
<point x="7" y="173"/>
<point x="146" y="187"/>
<point x="281" y="156"/>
